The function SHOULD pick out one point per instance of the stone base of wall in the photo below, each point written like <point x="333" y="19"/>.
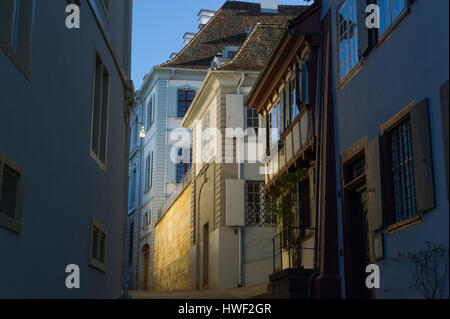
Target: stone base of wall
<point x="175" y="276"/>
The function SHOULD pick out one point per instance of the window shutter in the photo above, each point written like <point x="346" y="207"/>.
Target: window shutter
<point x="374" y="185"/>
<point x="423" y="162"/>
<point x="6" y="14"/>
<point x="363" y="32"/>
<point x="388" y="179"/>
<point x="445" y="115"/>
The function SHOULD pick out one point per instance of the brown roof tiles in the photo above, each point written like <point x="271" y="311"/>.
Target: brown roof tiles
<point x="229" y="27"/>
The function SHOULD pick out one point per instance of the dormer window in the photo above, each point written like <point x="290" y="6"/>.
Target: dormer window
<point x="229" y="52"/>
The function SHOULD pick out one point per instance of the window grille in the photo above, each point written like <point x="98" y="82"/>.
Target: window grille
<point x="258" y="208"/>
<point x="402" y="167"/>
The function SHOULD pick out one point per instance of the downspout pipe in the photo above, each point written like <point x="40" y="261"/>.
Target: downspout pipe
<point x="241" y="229"/>
<point x="129" y="100"/>
<point x="318" y="107"/>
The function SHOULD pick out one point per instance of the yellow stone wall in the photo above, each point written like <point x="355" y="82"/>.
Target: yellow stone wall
<point x="172" y="243"/>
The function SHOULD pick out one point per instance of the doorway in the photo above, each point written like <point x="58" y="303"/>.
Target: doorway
<point x="206" y="256"/>
<point x="359" y="244"/>
<point x="146" y="255"/>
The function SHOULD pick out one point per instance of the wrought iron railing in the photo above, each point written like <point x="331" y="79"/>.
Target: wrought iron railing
<point x="291" y="250"/>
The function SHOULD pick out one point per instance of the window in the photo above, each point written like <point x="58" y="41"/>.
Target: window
<point x="184" y="164"/>
<point x="131" y="244"/>
<point x="150" y="113"/>
<point x="348" y="38"/>
<point x="252" y="118"/>
<point x="145" y="221"/>
<point x="275" y="123"/>
<point x="11" y="193"/>
<point x="105" y="4"/>
<point x="185" y="98"/>
<point x="293" y="100"/>
<point x="135" y="131"/>
<point x="132" y="188"/>
<point x="354" y="170"/>
<point x="100" y="113"/>
<point x="402" y="168"/>
<point x="148" y="172"/>
<point x="407" y="167"/>
<point x="258" y="212"/>
<point x="390" y="10"/>
<point x="16" y="19"/>
<point x="98" y="246"/>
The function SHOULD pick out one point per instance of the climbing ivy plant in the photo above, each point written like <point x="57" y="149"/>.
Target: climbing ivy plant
<point x="284" y="197"/>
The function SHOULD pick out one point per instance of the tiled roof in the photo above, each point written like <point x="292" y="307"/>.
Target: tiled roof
<point x="253" y="54"/>
<point x="228" y="27"/>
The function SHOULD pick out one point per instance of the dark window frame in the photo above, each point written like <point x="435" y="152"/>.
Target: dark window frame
<point x="184" y="103"/>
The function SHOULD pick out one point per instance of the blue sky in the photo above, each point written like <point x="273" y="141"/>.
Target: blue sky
<point x="159" y="26"/>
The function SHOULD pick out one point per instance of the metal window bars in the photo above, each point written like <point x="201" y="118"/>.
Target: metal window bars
<point x="259" y="213"/>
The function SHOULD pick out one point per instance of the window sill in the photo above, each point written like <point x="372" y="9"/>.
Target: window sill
<point x="343" y="82"/>
<point x="97" y="265"/>
<point x="97" y="160"/>
<point x="404" y="224"/>
<point x="10" y="224"/>
<point x="394" y="25"/>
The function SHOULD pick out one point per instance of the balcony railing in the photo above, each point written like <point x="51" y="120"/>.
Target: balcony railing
<point x="293" y="248"/>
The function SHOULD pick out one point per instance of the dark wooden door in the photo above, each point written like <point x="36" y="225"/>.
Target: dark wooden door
<point x="206" y="256"/>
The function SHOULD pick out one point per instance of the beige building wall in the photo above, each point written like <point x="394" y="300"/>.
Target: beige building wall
<point x="172" y="269"/>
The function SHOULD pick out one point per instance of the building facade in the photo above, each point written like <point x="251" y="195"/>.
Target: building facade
<point x="391" y="139"/>
<point x="64" y="102"/>
<point x="232" y="225"/>
<point x="289" y="96"/>
<point x="381" y="144"/>
<point x="165" y="96"/>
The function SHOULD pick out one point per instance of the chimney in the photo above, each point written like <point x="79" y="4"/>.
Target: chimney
<point x="269" y="6"/>
<point x="187" y="37"/>
<point x="204" y="16"/>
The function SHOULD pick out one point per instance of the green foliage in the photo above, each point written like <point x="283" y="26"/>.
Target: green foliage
<point x="284" y="197"/>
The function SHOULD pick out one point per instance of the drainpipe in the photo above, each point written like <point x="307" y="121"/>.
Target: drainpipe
<point x="172" y="73"/>
<point x="125" y="221"/>
<point x="241" y="229"/>
<point x="318" y="147"/>
<point x="138" y="205"/>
